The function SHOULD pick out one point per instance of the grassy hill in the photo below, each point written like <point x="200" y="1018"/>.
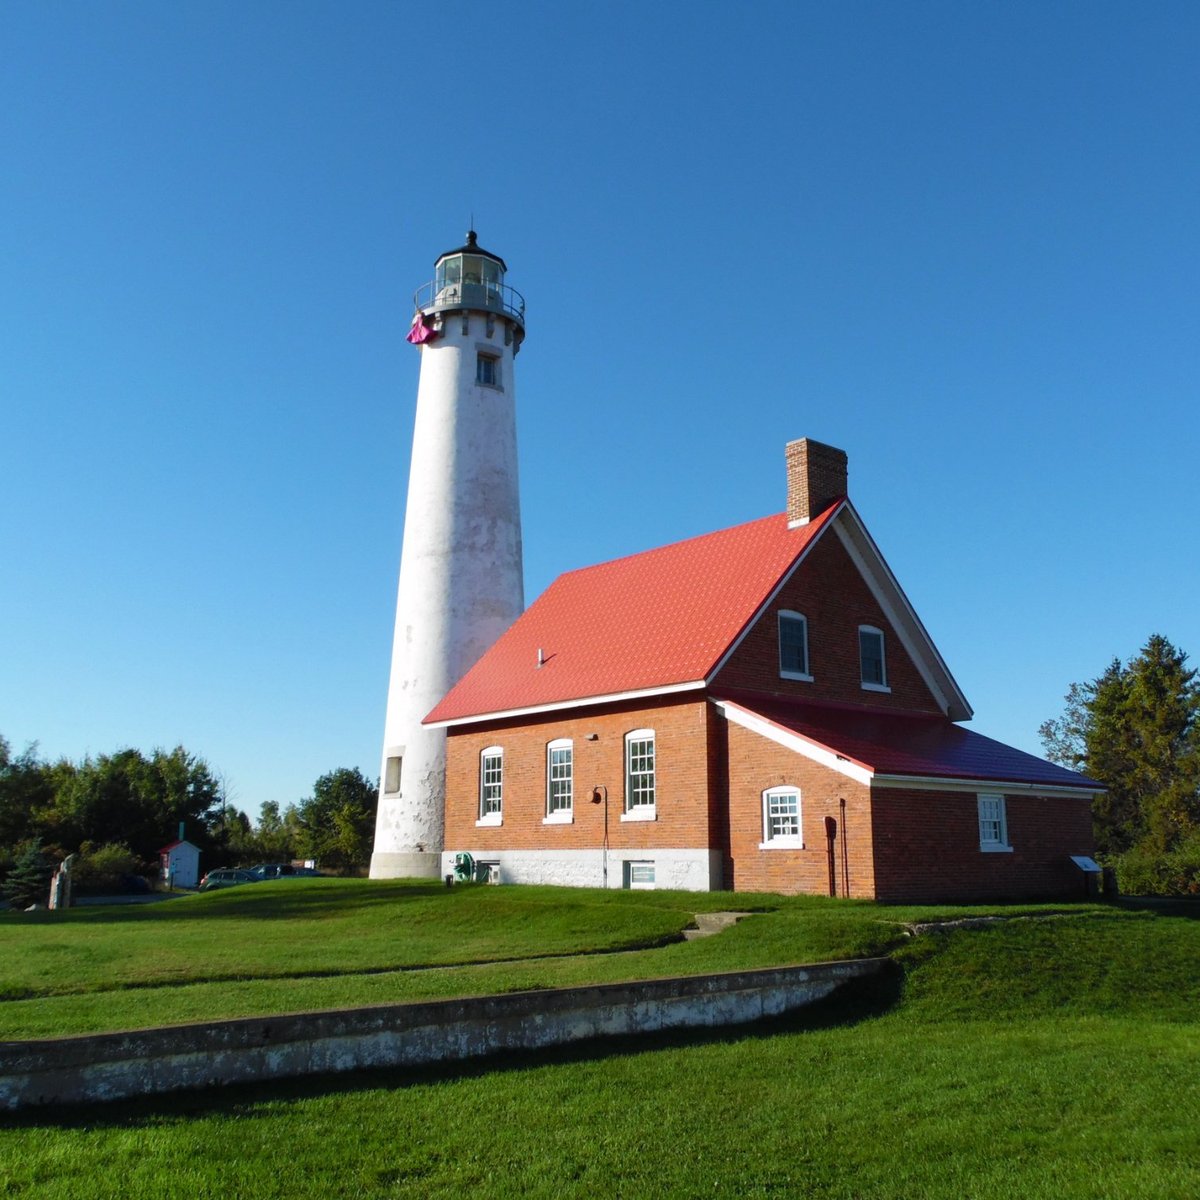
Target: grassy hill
<point x="322" y="943"/>
<point x="1051" y="1058"/>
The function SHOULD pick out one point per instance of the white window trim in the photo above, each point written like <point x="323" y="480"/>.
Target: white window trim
<point x="489" y="352"/>
<point x="492" y="818"/>
<point x="627" y="872"/>
<point x="640" y="812"/>
<point x="561" y="816"/>
<point x="787" y="841"/>
<point x="867" y="686"/>
<point x="392" y="784"/>
<point x="994" y="847"/>
<point x="790" y="615"/>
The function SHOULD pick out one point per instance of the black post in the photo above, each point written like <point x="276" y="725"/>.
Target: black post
<point x="831" y="837"/>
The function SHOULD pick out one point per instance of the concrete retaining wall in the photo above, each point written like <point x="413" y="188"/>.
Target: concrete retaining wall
<point x="113" y="1066"/>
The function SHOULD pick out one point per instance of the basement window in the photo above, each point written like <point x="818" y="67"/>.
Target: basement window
<point x="993" y="823"/>
<point x="639" y="875"/>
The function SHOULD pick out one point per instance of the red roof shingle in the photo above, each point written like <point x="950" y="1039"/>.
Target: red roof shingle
<point x="906" y="744"/>
<point x="650" y="621"/>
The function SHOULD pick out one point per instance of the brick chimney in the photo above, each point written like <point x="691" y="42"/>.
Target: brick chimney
<point x="816" y="476"/>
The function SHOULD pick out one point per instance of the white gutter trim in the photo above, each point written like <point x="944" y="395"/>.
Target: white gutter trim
<point x="937" y="783"/>
<point x="558" y="705"/>
<point x="790" y="740"/>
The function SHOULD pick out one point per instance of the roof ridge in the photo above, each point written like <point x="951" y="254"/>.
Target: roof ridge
<point x="697" y="537"/>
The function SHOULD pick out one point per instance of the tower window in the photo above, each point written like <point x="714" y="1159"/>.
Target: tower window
<point x="487" y="370"/>
<point x="391" y="779"/>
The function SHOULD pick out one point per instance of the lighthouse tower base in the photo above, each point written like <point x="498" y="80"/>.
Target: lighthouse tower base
<point x="407" y="864"/>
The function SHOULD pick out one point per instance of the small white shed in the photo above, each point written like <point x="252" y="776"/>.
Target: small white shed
<point x="179" y="864"/>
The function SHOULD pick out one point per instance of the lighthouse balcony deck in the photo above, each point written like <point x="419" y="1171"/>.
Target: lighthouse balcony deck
<point x="478" y="297"/>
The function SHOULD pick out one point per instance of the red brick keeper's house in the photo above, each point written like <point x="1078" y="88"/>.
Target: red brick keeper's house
<point x="757" y="709"/>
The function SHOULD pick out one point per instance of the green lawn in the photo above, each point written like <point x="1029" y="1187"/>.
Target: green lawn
<point x="293" y="945"/>
<point x="1051" y="1059"/>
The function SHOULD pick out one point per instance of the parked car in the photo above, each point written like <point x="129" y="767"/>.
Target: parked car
<point x="281" y="871"/>
<point x="225" y="877"/>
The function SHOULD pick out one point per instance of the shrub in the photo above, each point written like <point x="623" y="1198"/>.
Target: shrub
<point x="1142" y="872"/>
<point x="103" y="871"/>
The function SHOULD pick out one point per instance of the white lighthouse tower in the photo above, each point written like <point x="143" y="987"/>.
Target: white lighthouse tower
<point x="461" y="581"/>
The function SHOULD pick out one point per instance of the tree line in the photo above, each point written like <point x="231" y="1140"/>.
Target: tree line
<point x="1136" y="729"/>
<point x="116" y="811"/>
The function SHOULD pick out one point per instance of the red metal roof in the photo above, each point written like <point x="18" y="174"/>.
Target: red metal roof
<point x="650" y="621"/>
<point x="907" y="744"/>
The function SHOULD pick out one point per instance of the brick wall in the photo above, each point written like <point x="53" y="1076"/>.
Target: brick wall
<point x="927" y="847"/>
<point x="816" y="477"/>
<point x="829" y="591"/>
<point x="755" y="764"/>
<point x="684" y="801"/>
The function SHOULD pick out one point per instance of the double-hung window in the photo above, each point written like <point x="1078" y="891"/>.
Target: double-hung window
<point x="560" y="780"/>
<point x="639" y="776"/>
<point x="793" y="646"/>
<point x="781" y="819"/>
<point x="491" y="786"/>
<point x="872" y="662"/>
<point x="993" y="823"/>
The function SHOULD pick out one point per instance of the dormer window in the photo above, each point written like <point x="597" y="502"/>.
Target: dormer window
<point x="872" y="663"/>
<point x="793" y="646"/>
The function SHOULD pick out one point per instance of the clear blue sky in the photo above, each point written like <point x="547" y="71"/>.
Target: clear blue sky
<point x="960" y="241"/>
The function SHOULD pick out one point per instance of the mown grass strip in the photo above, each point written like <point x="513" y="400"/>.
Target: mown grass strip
<point x="1052" y="1061"/>
<point x="293" y="946"/>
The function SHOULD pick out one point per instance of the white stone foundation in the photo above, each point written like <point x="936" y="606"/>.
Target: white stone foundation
<point x="405" y="865"/>
<point x="688" y="870"/>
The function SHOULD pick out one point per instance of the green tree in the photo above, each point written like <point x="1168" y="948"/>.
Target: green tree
<point x="28" y="882"/>
<point x="277" y="835"/>
<point x="337" y="822"/>
<point x="26" y="793"/>
<point x="1136" y="729"/>
<point x="140" y="800"/>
